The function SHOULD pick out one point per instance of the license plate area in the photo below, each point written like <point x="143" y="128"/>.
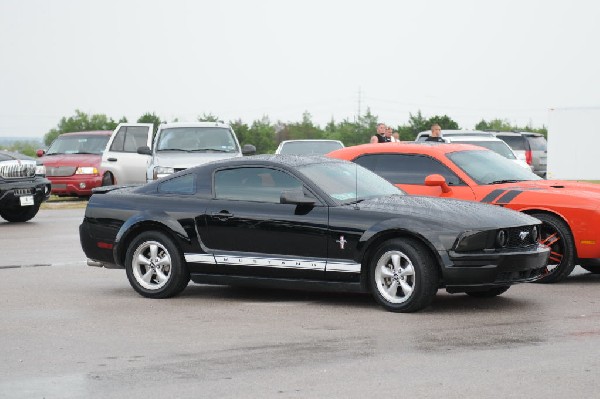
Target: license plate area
<point x="26" y="200"/>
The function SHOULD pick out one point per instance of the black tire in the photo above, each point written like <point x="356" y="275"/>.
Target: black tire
<point x="163" y="274"/>
<point x="403" y="275"/>
<point x="489" y="293"/>
<point x="555" y="233"/>
<point x="107" y="180"/>
<point x="20" y="214"/>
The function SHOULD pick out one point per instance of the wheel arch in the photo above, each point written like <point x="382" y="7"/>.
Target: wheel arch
<point x="532" y="211"/>
<point x="386" y="235"/>
<point x="128" y="233"/>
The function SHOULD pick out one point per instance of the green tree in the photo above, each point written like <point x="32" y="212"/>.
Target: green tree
<point x="305" y="129"/>
<point x="445" y="122"/>
<point x="150" y="118"/>
<point x="28" y="147"/>
<point x="80" y="122"/>
<point x="208" y="118"/>
<point x="262" y="135"/>
<point x="501" y="125"/>
<point x="504" y="125"/>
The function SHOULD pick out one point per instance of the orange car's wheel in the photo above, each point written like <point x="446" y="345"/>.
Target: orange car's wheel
<point x="556" y="235"/>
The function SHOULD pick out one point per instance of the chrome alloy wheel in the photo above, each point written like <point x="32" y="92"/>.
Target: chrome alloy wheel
<point x="151" y="265"/>
<point x="395" y="277"/>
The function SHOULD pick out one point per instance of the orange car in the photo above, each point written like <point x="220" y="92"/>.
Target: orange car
<point x="570" y="211"/>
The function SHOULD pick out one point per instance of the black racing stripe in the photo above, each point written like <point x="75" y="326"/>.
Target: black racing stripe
<point x="509" y="196"/>
<point x="493" y="195"/>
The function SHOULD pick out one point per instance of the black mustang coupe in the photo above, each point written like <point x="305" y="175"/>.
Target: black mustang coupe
<point x="306" y="222"/>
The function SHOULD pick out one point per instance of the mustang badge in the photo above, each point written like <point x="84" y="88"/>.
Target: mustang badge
<point x="342" y="242"/>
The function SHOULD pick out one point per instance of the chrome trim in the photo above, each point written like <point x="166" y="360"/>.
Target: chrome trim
<point x="17" y="169"/>
<point x="200" y="258"/>
<point x="346" y="267"/>
<point x="278" y="263"/>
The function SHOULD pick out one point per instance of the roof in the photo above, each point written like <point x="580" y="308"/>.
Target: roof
<point x="193" y="124"/>
<point x="90" y="133"/>
<point x="287" y="160"/>
<point x="426" y="147"/>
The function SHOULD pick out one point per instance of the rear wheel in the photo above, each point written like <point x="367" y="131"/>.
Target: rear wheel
<point x="155" y="266"/>
<point x="556" y="235"/>
<point x="490" y="293"/>
<point x="403" y="275"/>
<point x="20" y="214"/>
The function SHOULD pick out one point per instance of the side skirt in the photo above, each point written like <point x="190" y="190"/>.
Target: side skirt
<point x="308" y="285"/>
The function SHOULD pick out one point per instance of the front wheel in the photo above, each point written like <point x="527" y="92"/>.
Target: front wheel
<point x="403" y="275"/>
<point x="556" y="235"/>
<point x="155" y="267"/>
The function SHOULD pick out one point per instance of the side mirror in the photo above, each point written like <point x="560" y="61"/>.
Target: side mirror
<point x="248" y="149"/>
<point x="295" y="197"/>
<point x="144" y="150"/>
<point x="438" y="180"/>
<point x="40" y="153"/>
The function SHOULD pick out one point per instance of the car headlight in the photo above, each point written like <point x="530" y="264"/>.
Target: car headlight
<point x="86" y="170"/>
<point x="474" y="241"/>
<point x="40" y="170"/>
<point x="162" y="171"/>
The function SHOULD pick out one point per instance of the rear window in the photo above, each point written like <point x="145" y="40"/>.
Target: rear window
<point x="517" y="143"/>
<point x="537" y="143"/>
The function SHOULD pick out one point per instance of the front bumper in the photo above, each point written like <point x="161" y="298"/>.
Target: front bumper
<point x="75" y="185"/>
<point x="11" y="191"/>
<point x="494" y="269"/>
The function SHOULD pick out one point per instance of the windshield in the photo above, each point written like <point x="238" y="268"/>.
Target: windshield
<point x="197" y="139"/>
<point x="499" y="147"/>
<point x="341" y="181"/>
<point x="78" y="145"/>
<point x="487" y="167"/>
<point x="310" y="147"/>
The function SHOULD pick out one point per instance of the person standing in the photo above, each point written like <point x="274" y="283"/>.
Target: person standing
<point x="436" y="134"/>
<point x="380" y="136"/>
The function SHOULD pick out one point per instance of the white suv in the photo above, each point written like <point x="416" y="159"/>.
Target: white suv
<point x="482" y="139"/>
<point x="134" y="156"/>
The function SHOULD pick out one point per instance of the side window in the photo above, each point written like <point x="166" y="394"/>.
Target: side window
<point x="129" y="138"/>
<point x="517" y="143"/>
<point x="178" y="185"/>
<point x="254" y="184"/>
<point x="407" y="168"/>
<point x="117" y="144"/>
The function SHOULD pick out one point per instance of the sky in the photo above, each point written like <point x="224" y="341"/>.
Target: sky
<point x="236" y="59"/>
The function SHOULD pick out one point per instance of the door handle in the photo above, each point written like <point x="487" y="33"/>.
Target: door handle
<point x="111" y="159"/>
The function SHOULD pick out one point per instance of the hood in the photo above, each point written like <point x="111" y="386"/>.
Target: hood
<point x="460" y="214"/>
<point x="72" y="160"/>
<point x="184" y="160"/>
<point x="570" y="193"/>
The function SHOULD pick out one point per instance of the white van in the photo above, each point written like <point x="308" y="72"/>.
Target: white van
<point x="134" y="156"/>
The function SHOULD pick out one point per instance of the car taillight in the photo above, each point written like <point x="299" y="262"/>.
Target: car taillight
<point x="528" y="157"/>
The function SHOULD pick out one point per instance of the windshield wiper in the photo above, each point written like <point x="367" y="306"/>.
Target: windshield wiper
<point x="173" y="149"/>
<point x="505" y="181"/>
<point x="209" y="149"/>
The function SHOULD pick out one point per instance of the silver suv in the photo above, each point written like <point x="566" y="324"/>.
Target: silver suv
<point x="530" y="147"/>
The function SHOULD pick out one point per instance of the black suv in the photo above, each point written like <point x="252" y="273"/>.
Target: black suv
<point x="531" y="147"/>
<point x="23" y="187"/>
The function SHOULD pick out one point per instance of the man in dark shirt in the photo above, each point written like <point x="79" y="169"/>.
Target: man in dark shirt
<point x="380" y="136"/>
<point x="436" y="134"/>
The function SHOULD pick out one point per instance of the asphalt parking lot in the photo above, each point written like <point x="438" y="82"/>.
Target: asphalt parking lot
<point x="73" y="331"/>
